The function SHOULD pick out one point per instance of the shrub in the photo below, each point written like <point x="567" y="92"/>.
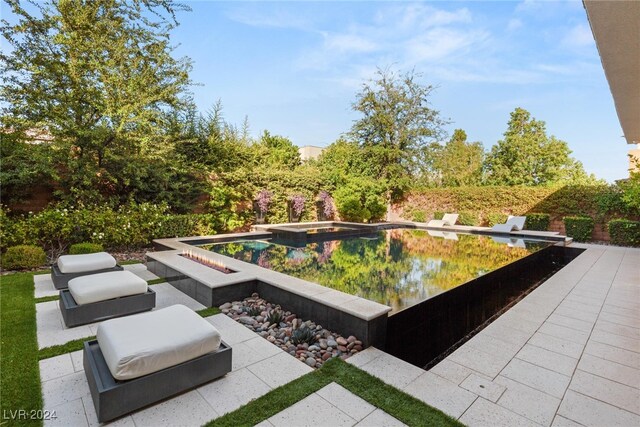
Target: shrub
<point x="469" y="218"/>
<point x="360" y="200"/>
<point x="85" y="248"/>
<point x="438" y="215"/>
<point x="538" y="221"/>
<point x="496" y="218"/>
<point x="624" y="232"/>
<point x="579" y="227"/>
<point x="419" y="216"/>
<point x="23" y="257"/>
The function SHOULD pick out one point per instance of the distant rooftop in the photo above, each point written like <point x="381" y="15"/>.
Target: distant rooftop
<point x="310" y="152"/>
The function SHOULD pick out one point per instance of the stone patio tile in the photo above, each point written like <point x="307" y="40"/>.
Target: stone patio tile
<point x="235" y="389"/>
<point x="263" y="347"/>
<point x="608" y="391"/>
<point x="487" y="414"/>
<point x="527" y="313"/>
<point x="483" y="387"/>
<point x="243" y="356"/>
<point x="608" y="352"/>
<point x="542" y="379"/>
<point x="565" y="333"/>
<point x="392" y="370"/>
<point x="379" y="418"/>
<point x="311" y="411"/>
<point x="64" y="389"/>
<point x="592" y="412"/>
<point x="621" y="302"/>
<point x="506" y="333"/>
<point x="51" y="329"/>
<point x="559" y="421"/>
<point x="90" y="411"/>
<point x="616" y="329"/>
<point x="167" y="295"/>
<point x="616" y="340"/>
<point x="453" y="371"/>
<point x="440" y="393"/>
<point x="569" y="322"/>
<point x="618" y="319"/>
<point x="621" y="311"/>
<point x="67" y="414"/>
<point x="477" y="360"/>
<point x="557" y="345"/>
<point x="352" y="405"/>
<point x="610" y="370"/>
<point x="492" y="345"/>
<point x="43" y="286"/>
<point x="585" y="299"/>
<point x="571" y="311"/>
<point x="232" y="332"/>
<point x="264" y="423"/>
<point x="548" y="359"/>
<point x="365" y="356"/>
<point x="528" y="402"/>
<point x="279" y="369"/>
<point x="77" y="360"/>
<point x="187" y="409"/>
<point x="56" y="367"/>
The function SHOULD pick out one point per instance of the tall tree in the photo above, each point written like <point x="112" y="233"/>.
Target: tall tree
<point x="460" y="162"/>
<point x="528" y="156"/>
<point x="99" y="77"/>
<point x="397" y="127"/>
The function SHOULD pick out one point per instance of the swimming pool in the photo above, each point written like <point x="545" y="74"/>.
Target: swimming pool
<point x="397" y="267"/>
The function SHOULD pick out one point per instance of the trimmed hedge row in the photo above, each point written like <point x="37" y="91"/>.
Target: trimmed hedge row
<point x="23" y="257"/>
<point x="624" y="232"/>
<point x="579" y="227"/>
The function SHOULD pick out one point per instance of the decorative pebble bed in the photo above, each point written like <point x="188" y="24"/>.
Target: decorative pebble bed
<point x="304" y="340"/>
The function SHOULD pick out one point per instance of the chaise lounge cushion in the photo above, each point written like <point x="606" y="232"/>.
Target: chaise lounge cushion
<point x="85" y="262"/>
<point x="141" y="344"/>
<point x="106" y="286"/>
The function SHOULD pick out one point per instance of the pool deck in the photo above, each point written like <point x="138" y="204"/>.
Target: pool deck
<point x="567" y="354"/>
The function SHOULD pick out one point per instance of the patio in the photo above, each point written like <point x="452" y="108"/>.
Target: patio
<point x="567" y="354"/>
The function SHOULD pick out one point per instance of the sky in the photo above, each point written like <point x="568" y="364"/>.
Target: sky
<point x="294" y="68"/>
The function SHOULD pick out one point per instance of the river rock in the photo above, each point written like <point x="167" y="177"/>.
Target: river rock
<point x="341" y="341"/>
<point x="224" y="306"/>
<point x="310" y="361"/>
<point x="332" y="343"/>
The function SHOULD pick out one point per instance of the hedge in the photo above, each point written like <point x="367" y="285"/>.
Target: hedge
<point x="579" y="227"/>
<point x="23" y="257"/>
<point x="624" y="232"/>
<point x="85" y="248"/>
<point x="538" y="221"/>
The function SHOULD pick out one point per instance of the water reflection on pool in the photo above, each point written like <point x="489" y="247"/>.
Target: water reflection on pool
<point x="398" y="267"/>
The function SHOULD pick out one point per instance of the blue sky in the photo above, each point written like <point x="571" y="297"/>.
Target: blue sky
<point x="294" y="67"/>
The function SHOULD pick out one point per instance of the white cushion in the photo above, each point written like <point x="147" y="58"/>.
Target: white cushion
<point x="105" y="286"/>
<point x="141" y="344"/>
<point x="85" y="262"/>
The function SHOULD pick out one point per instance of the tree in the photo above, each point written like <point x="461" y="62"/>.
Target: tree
<point x="277" y="151"/>
<point x="460" y="162"/>
<point x="528" y="156"/>
<point x="100" y="78"/>
<point x="397" y="127"/>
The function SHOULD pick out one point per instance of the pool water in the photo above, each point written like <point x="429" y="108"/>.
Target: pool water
<point x="398" y="267"/>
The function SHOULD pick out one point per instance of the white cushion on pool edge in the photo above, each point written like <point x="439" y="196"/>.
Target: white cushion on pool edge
<point x="85" y="262"/>
<point x="105" y="286"/>
<point x="141" y="344"/>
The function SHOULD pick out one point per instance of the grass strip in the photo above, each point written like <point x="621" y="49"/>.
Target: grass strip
<point x="69" y="347"/>
<point x="47" y="299"/>
<point x="396" y="403"/>
<point x="206" y="312"/>
<point x="131" y="261"/>
<point x="20" y="379"/>
<point x="156" y="281"/>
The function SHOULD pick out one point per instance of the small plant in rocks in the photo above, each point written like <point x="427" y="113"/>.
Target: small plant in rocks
<point x="303" y="335"/>
<point x="254" y="311"/>
<point x="275" y="317"/>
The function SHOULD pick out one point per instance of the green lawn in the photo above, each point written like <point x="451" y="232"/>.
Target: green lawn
<point x="19" y="371"/>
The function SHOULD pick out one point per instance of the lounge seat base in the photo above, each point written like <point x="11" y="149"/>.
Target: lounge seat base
<point x="113" y="398"/>
<point x="61" y="280"/>
<point x="76" y="315"/>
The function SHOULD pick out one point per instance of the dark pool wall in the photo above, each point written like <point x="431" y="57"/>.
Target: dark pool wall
<point x="422" y="333"/>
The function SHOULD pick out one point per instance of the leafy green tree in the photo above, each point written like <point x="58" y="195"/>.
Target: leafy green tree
<point x="528" y="156"/>
<point x="341" y="160"/>
<point x="397" y="127"/>
<point x="277" y="151"/>
<point x="460" y="162"/>
<point x="99" y="77"/>
<point x="631" y="187"/>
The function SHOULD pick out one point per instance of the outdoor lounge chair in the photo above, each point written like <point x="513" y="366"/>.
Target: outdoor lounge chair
<point x="514" y="223"/>
<point x="103" y="296"/>
<point x="139" y="360"/>
<point x="71" y="266"/>
<point x="447" y="221"/>
<point x="510" y="241"/>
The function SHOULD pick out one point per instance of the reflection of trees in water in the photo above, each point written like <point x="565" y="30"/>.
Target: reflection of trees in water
<point x="399" y="268"/>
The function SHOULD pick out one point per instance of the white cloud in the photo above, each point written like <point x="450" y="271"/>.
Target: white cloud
<point x="345" y="43"/>
<point x="579" y="36"/>
<point x="514" y="24"/>
<point x="276" y="18"/>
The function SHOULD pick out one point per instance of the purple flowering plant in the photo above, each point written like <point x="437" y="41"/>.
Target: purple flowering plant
<point x="297" y="204"/>
<point x="264" y="199"/>
<point x="327" y="204"/>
